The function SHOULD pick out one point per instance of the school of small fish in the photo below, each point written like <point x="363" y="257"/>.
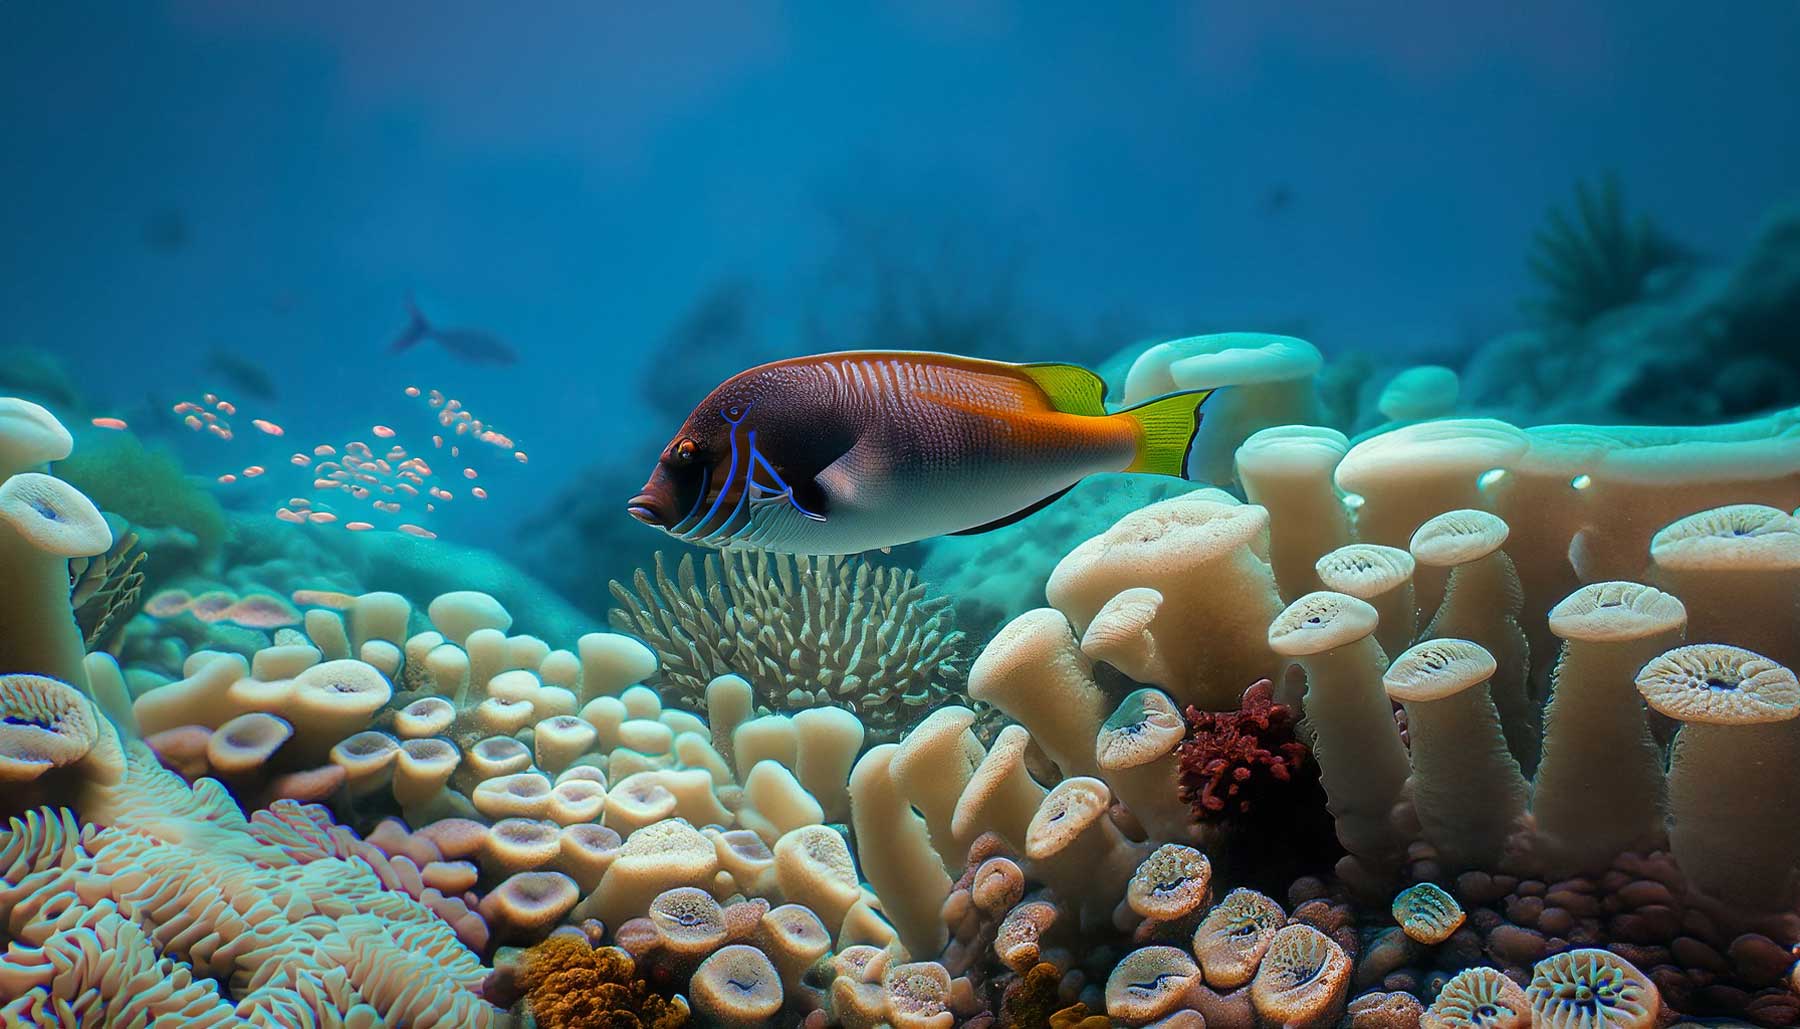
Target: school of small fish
<point x="401" y="488"/>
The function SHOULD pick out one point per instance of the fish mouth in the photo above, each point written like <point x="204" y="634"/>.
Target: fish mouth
<point x="643" y="508"/>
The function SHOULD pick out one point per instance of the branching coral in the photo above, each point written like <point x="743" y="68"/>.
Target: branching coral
<point x="805" y="632"/>
<point x="1233" y="761"/>
<point x="568" y="984"/>
<point x="1599" y="259"/>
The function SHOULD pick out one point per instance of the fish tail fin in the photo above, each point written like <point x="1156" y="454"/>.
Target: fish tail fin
<point x="1166" y="428"/>
<point x="417" y="328"/>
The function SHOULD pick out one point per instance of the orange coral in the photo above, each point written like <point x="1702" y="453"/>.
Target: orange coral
<point x="1076" y="1016"/>
<point x="1034" y="1001"/>
<point x="570" y="985"/>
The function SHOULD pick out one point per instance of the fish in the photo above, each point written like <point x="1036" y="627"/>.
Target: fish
<point x="249" y="378"/>
<point x="471" y="345"/>
<point x="851" y="452"/>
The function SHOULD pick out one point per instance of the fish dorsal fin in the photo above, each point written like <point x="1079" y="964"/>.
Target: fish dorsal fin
<point x="1019" y="515"/>
<point x="1071" y="388"/>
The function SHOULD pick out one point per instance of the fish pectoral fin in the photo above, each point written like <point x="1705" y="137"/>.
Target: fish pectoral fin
<point x="1019" y="515"/>
<point x="1071" y="388"/>
<point x="812" y="508"/>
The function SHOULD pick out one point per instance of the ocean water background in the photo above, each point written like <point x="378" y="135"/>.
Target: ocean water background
<point x="592" y="183"/>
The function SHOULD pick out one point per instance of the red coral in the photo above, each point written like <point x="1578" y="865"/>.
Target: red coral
<point x="1232" y="760"/>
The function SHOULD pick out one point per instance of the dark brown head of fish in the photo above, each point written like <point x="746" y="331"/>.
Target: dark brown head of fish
<point x="753" y="424"/>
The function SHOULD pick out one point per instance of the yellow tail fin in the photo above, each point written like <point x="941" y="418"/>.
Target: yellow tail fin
<point x="1167" y="426"/>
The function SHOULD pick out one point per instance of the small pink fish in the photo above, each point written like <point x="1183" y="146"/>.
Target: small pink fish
<point x="383" y="431"/>
<point x="289" y="516"/>
<point x="228" y="479"/>
<point x="414" y="530"/>
<point x="267" y="427"/>
<point x="479" y="493"/>
<point x="110" y="423"/>
<point x="253" y="471"/>
<point x="358" y="526"/>
<point x="321" y="517"/>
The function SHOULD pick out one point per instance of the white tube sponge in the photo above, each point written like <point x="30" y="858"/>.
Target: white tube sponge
<point x="1288" y="470"/>
<point x="1381" y="576"/>
<point x="43" y="523"/>
<point x="1406" y="476"/>
<point x="1001" y="796"/>
<point x="730" y="702"/>
<point x="1482" y="603"/>
<point x="657" y="857"/>
<point x="896" y="854"/>
<point x="1347" y="717"/>
<point x="611" y="661"/>
<point x="1737" y="569"/>
<point x="30" y="437"/>
<point x="935" y="761"/>
<point x="1599" y="788"/>
<point x="378" y="616"/>
<point x="1079" y="853"/>
<point x="198" y="699"/>
<point x="775" y="803"/>
<point x="1135" y="752"/>
<point x="458" y="615"/>
<point x="829" y="739"/>
<point x="1271" y="380"/>
<point x="1466" y="787"/>
<point x="1209" y="561"/>
<point x="1732" y="771"/>
<point x="1033" y="671"/>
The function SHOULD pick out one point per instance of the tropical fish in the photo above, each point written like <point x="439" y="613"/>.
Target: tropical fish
<point x="850" y="452"/>
<point x="472" y="345"/>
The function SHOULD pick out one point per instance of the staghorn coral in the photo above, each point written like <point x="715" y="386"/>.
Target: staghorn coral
<point x="568" y="984"/>
<point x="805" y="632"/>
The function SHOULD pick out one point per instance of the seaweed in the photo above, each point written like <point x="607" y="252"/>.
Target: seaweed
<point x="1596" y="258"/>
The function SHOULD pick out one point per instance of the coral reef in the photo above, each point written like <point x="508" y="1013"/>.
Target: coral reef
<point x="1497" y="678"/>
<point x="803" y="631"/>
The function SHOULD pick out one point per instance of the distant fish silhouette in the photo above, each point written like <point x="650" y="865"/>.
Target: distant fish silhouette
<point x="166" y="232"/>
<point x="1278" y="199"/>
<point x="471" y="345"/>
<point x="248" y="378"/>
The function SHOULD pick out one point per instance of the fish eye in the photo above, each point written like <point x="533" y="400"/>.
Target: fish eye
<point x="685" y="451"/>
<point x="734" y="411"/>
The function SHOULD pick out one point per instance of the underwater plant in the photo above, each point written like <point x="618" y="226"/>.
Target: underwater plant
<point x="1595" y="258"/>
<point x="105" y="590"/>
<point x="806" y="632"/>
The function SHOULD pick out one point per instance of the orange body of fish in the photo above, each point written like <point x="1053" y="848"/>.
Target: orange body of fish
<point x="847" y="452"/>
